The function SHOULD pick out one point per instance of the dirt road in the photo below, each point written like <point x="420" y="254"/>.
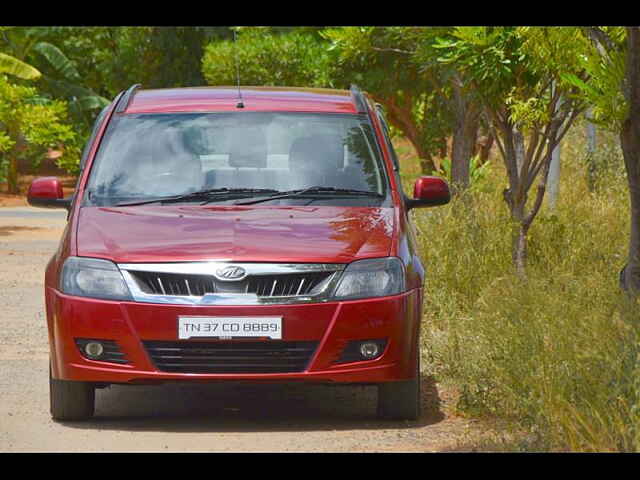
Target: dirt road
<point x="178" y="418"/>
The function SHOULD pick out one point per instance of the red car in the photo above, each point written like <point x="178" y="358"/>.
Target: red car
<point x="253" y="234"/>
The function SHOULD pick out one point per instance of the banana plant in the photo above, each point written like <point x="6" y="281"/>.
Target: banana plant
<point x="58" y="74"/>
<point x="66" y="83"/>
<point x="12" y="66"/>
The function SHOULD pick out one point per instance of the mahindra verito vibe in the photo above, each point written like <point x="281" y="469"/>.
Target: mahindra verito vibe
<point x="248" y="235"/>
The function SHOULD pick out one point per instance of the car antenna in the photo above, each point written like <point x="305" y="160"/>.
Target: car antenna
<point x="240" y="104"/>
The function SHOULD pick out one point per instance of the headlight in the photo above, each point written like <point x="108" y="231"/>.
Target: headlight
<point x="92" y="277"/>
<point x="376" y="277"/>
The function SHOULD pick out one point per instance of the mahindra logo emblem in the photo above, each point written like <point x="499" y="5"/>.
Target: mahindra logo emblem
<point x="231" y="272"/>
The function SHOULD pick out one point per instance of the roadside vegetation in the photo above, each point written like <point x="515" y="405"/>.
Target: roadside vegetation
<point x="554" y="354"/>
<point x="529" y="313"/>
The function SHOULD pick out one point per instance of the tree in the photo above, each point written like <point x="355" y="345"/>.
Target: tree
<point x="29" y="124"/>
<point x="173" y="55"/>
<point x="56" y="74"/>
<point x="630" y="142"/>
<point x="612" y="87"/>
<point x="517" y="73"/>
<point x="381" y="61"/>
<point x="461" y="102"/>
<point x="263" y="57"/>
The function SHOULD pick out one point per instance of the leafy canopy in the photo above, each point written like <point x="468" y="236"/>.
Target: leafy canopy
<point x="30" y="123"/>
<point x="267" y="58"/>
<point x="602" y="86"/>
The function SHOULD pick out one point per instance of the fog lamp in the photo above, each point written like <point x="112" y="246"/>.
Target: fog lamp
<point x="93" y="349"/>
<point x="362" y="350"/>
<point x="369" y="350"/>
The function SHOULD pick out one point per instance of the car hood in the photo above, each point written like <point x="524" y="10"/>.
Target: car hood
<point x="251" y="234"/>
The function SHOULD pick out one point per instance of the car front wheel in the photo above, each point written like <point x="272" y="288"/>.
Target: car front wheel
<point x="400" y="400"/>
<point x="71" y="400"/>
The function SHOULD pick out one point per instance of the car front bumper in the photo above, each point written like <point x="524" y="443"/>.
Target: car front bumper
<point x="331" y="324"/>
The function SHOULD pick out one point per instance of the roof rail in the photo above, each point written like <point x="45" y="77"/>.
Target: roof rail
<point x="358" y="98"/>
<point x="124" y="101"/>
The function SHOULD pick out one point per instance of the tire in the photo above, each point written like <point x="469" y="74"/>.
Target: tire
<point x="71" y="400"/>
<point x="400" y="400"/>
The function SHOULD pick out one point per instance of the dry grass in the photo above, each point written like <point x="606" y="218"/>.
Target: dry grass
<point x="555" y="354"/>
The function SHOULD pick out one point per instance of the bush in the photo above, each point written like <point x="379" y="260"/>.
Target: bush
<point x="267" y="58"/>
<point x="29" y="124"/>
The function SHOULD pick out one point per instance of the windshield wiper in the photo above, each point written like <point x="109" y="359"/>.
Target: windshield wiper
<point x="199" y="194"/>
<point x="314" y="191"/>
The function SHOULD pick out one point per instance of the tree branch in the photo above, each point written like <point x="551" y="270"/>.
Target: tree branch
<point x="537" y="203"/>
<point x="601" y="40"/>
<point x="395" y="50"/>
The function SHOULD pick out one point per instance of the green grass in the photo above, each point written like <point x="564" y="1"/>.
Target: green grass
<point x="557" y="354"/>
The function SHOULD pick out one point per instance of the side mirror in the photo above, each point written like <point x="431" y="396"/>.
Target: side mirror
<point x="46" y="192"/>
<point x="429" y="192"/>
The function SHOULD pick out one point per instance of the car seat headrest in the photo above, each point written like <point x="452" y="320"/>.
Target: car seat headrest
<point x="249" y="148"/>
<point x="323" y="152"/>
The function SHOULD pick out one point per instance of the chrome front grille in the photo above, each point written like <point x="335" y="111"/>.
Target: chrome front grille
<point x="159" y="283"/>
<point x="209" y="283"/>
<point x="174" y="283"/>
<point x="286" y="285"/>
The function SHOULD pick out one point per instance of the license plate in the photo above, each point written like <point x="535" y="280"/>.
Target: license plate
<point x="228" y="327"/>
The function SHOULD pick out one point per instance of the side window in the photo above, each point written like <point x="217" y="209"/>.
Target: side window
<point x="385" y="130"/>
<point x="92" y="137"/>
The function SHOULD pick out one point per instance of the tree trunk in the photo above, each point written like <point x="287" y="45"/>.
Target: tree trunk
<point x="12" y="176"/>
<point x="591" y="151"/>
<point x="14" y="154"/>
<point x="519" y="248"/>
<point x="630" y="142"/>
<point x="554" y="167"/>
<point x="518" y="140"/>
<point x="513" y="156"/>
<point x="485" y="148"/>
<point x="463" y="144"/>
<point x="554" y="177"/>
<point x="465" y="132"/>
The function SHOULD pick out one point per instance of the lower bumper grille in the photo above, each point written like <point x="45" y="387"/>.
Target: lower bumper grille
<point x="231" y="357"/>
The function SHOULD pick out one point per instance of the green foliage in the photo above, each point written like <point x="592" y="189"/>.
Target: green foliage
<point x="30" y="123"/>
<point x="389" y="64"/>
<point x="60" y="77"/>
<point x="173" y="55"/>
<point x="490" y="58"/>
<point x="57" y="60"/>
<point x="5" y="142"/>
<point x="267" y="58"/>
<point x="602" y="88"/>
<point x="515" y="67"/>
<point x="87" y="66"/>
<point x="478" y="171"/>
<point x="17" y="68"/>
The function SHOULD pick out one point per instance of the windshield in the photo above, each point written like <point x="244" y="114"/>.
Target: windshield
<point x="149" y="156"/>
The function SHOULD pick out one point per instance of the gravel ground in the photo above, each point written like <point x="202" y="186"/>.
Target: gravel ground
<point x="174" y="417"/>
